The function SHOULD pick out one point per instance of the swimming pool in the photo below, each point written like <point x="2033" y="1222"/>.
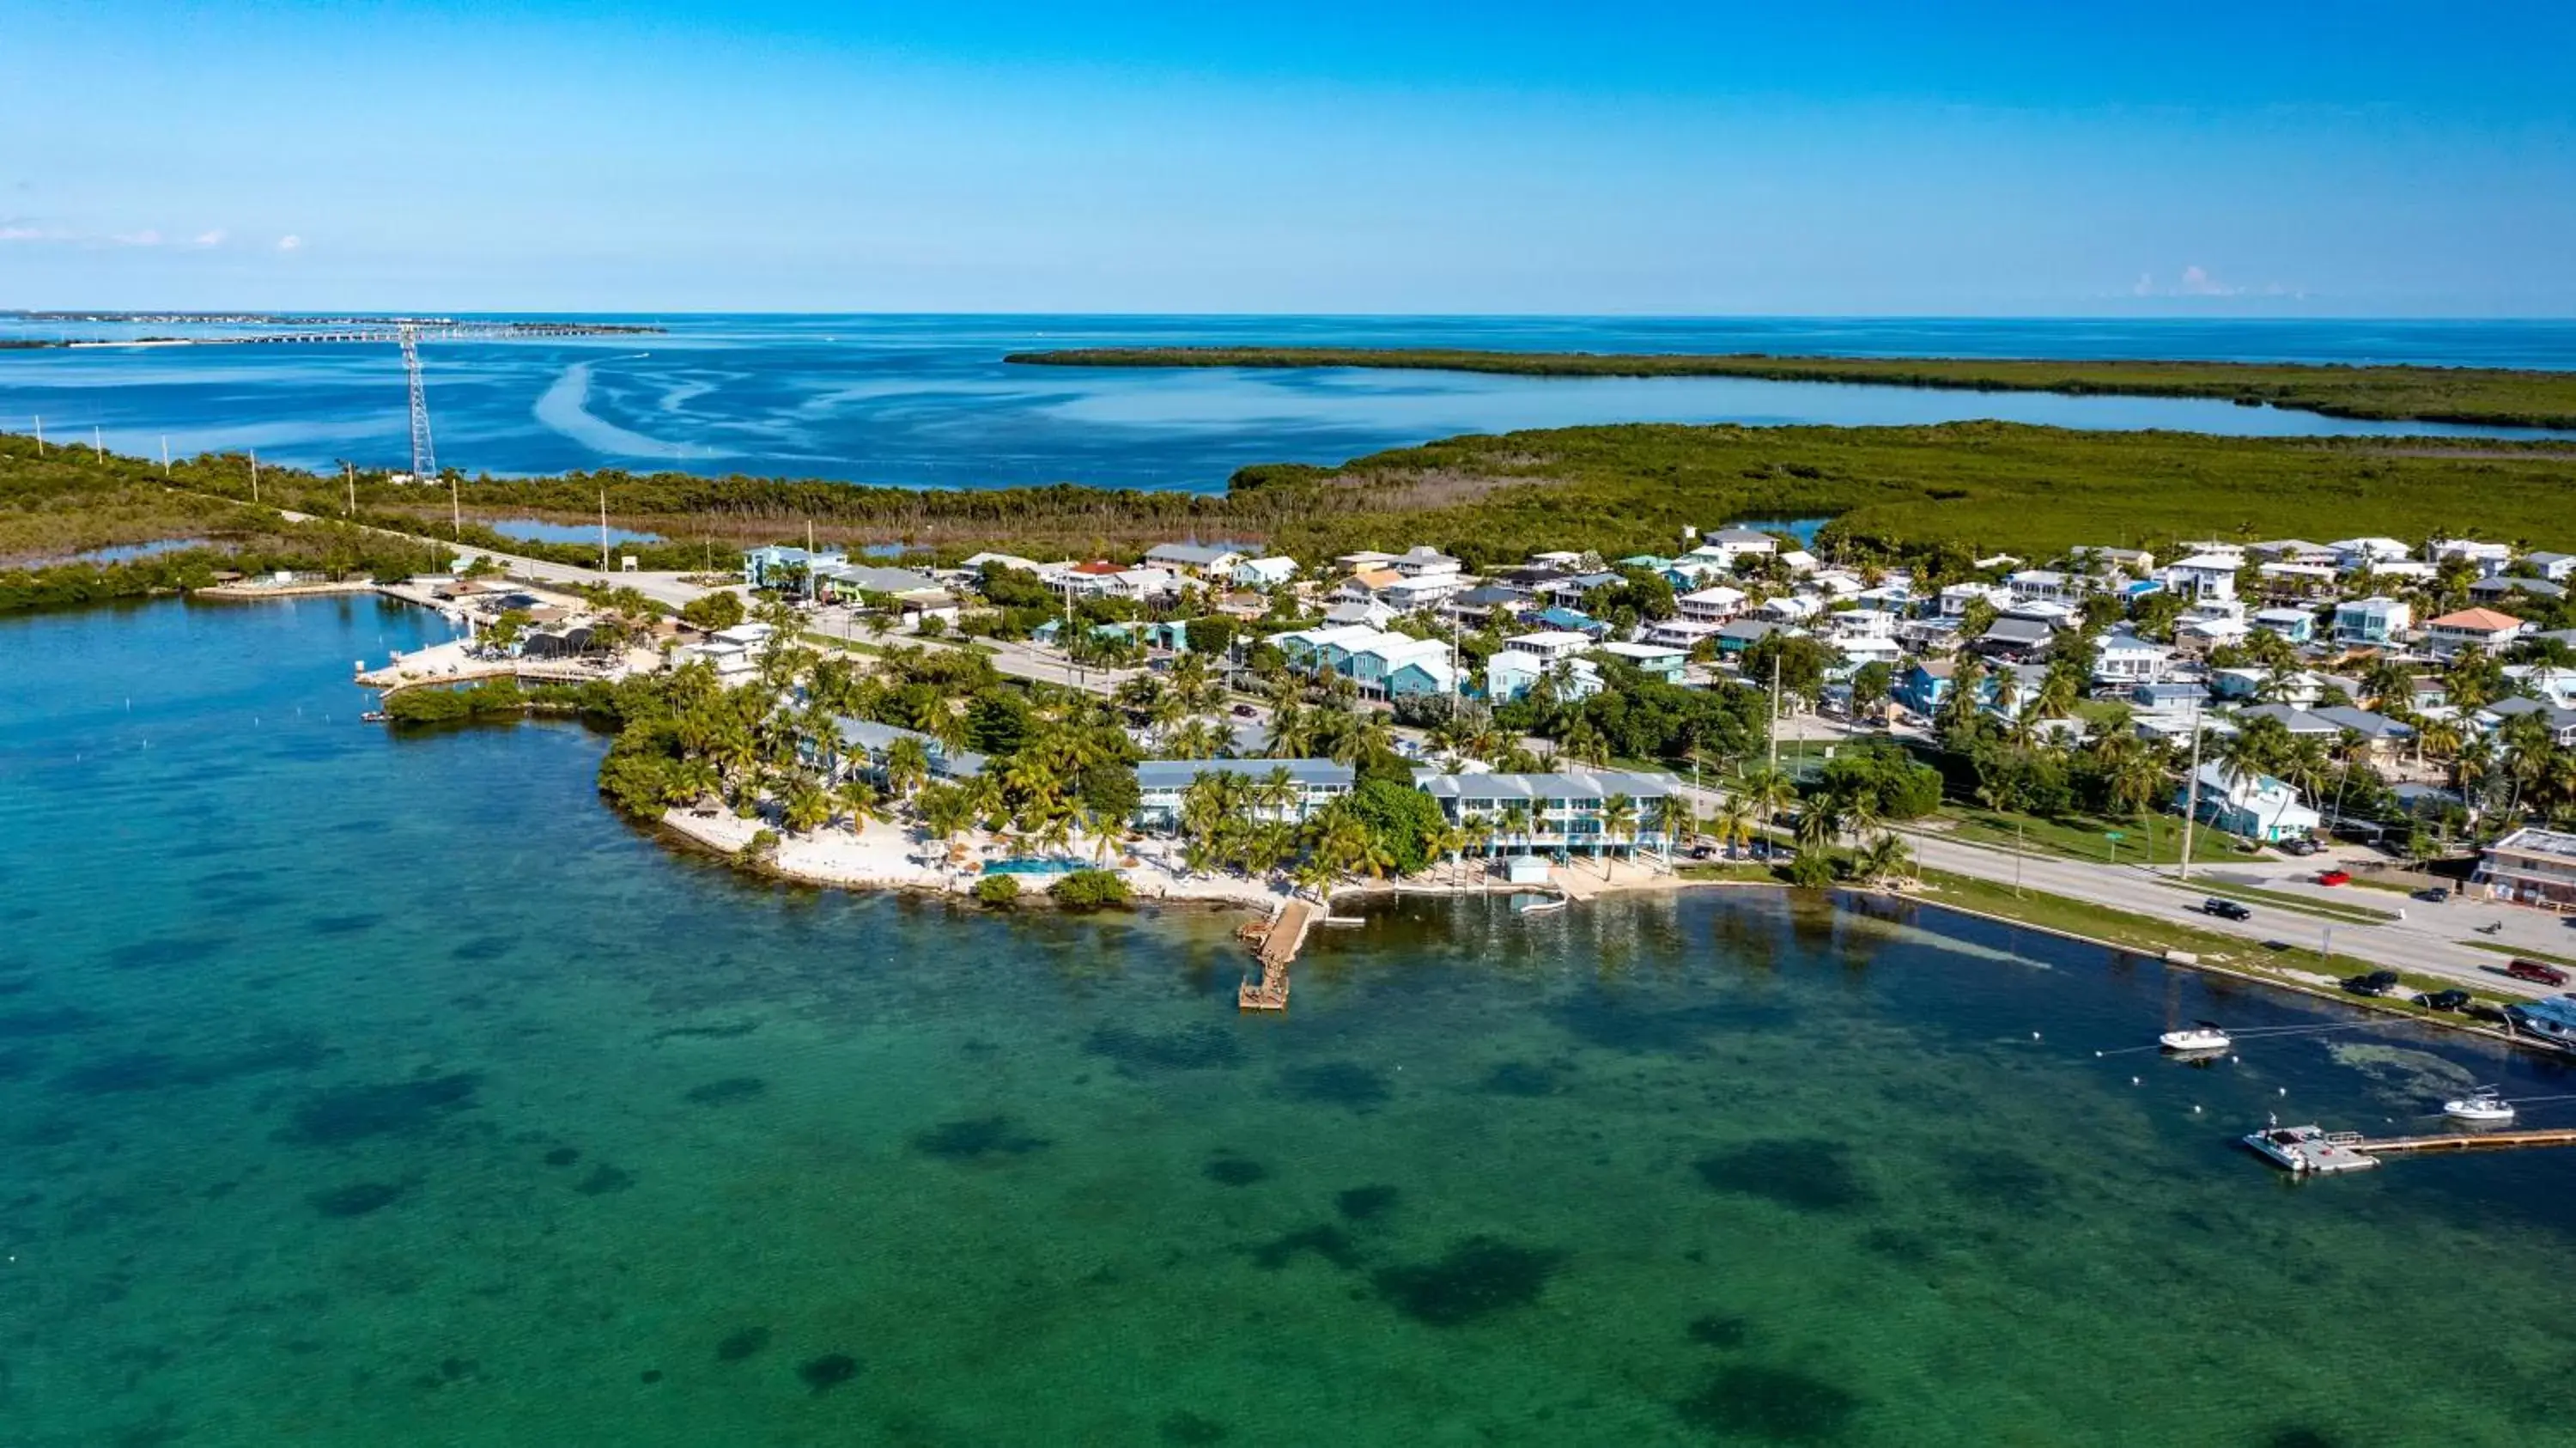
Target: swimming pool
<point x="1032" y="867"/>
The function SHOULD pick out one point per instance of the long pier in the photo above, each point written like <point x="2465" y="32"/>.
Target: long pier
<point x="393" y="332"/>
<point x="2471" y="1141"/>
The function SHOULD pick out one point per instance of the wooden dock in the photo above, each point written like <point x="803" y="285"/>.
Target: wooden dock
<point x="1279" y="945"/>
<point x="2472" y="1141"/>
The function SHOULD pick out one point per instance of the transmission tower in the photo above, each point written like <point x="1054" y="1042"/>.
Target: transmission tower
<point x="424" y="458"/>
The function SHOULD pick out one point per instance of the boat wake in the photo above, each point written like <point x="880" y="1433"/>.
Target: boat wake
<point x="565" y="407"/>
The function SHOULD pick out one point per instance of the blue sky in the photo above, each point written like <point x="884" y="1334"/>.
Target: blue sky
<point x="2358" y="158"/>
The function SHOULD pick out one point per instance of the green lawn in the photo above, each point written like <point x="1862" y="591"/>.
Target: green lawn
<point x="2080" y="837"/>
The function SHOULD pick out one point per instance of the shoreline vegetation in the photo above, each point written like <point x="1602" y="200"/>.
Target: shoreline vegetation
<point x="1894" y="494"/>
<point x="2475" y="396"/>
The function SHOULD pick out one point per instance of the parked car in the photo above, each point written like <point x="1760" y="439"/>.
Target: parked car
<point x="2225" y="909"/>
<point x="2335" y="877"/>
<point x="2443" y="1000"/>
<point x="2434" y="894"/>
<point x="2535" y="971"/>
<point x="2377" y="983"/>
<point x="1246" y="711"/>
<point x="2302" y="846"/>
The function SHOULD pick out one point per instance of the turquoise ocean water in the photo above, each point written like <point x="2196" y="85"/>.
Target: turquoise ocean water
<point x="374" y="1091"/>
<point x="927" y="400"/>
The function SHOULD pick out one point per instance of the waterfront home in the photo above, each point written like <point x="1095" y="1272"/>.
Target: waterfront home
<point x="865" y="744"/>
<point x="2292" y="550"/>
<point x="2385" y="738"/>
<point x="2123" y="658"/>
<point x="1366" y="585"/>
<point x="2545" y="681"/>
<point x="1570" y="620"/>
<point x="1423" y="561"/>
<point x="2299" y="721"/>
<point x="1328" y="647"/>
<point x="1514" y="672"/>
<point x="2529" y="867"/>
<point x="1570" y="590"/>
<point x="1265" y="574"/>
<point x="1370" y="612"/>
<point x="1658" y="661"/>
<point x="2168" y="694"/>
<point x="1957" y="597"/>
<point x="1375" y="665"/>
<point x="1215" y="561"/>
<point x="2042" y="585"/>
<point x="2295" y="624"/>
<point x="1363" y="561"/>
<point x="2472" y="628"/>
<point x="1799" y="560"/>
<point x="2556" y="567"/>
<point x="836" y="581"/>
<point x="1308" y="786"/>
<point x="2300" y="688"/>
<point x="2132" y="562"/>
<point x="2258" y="808"/>
<point x="2297" y="580"/>
<point x="734" y="653"/>
<point x="2377" y="620"/>
<point x="1730" y="544"/>
<point x="2016" y="640"/>
<point x="1559" y="812"/>
<point x="1488" y="603"/>
<point x="2210" y="576"/>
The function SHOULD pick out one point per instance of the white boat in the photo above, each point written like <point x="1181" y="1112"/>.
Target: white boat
<point x="2202" y="1036"/>
<point x="1541" y="907"/>
<point x="2485" y="1106"/>
<point x="2305" y="1150"/>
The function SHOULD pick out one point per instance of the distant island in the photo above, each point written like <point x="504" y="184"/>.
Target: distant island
<point x="2475" y="396"/>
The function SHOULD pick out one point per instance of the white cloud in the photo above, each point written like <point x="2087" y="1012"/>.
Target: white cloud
<point x="210" y="238"/>
<point x="28" y="233"/>
<point x="146" y="237"/>
<point x="2197" y="282"/>
<point x="290" y="243"/>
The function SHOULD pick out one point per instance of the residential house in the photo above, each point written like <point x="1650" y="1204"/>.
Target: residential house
<point x="1683" y="633"/>
<point x="1364" y="561"/>
<point x="1799" y="560"/>
<point x="2258" y="808"/>
<point x="2556" y="567"/>
<point x="1551" y="644"/>
<point x="734" y="653"/>
<point x="2018" y="640"/>
<point x="2043" y="585"/>
<point x="2168" y="695"/>
<point x="2561" y="723"/>
<point x="2530" y="867"/>
<point x="1711" y="605"/>
<point x="2123" y="658"/>
<point x="2490" y="559"/>
<point x="1560" y="812"/>
<point x="2298" y="721"/>
<point x="1213" y="561"/>
<point x="2358" y="553"/>
<point x="1375" y="665"/>
<point x="1488" y="604"/>
<point x="1743" y="633"/>
<point x="2109" y="562"/>
<point x="1956" y="598"/>
<point x="1312" y="784"/>
<point x="1373" y="612"/>
<point x="2507" y="589"/>
<point x="1423" y="561"/>
<point x="1265" y="574"/>
<point x="2377" y="620"/>
<point x="1570" y="620"/>
<point x="2386" y="739"/>
<point x="2472" y="627"/>
<point x="1923" y="684"/>
<point x="1514" y="672"/>
<point x="780" y="567"/>
<point x="2204" y="576"/>
<point x="1658" y="661"/>
<point x="2295" y="624"/>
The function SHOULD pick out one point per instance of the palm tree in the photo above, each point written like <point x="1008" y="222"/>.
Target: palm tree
<point x="907" y="766"/>
<point x="1278" y="795"/>
<point x="1769" y="791"/>
<point x="1479" y="833"/>
<point x="806" y="808"/>
<point x="1734" y="825"/>
<point x="1675" y="818"/>
<point x="860" y="801"/>
<point x="1886" y="860"/>
<point x="1618" y="822"/>
<point x="1292" y="732"/>
<point x="1514" y="823"/>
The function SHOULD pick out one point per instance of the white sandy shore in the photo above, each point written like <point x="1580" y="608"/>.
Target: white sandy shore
<point x="893" y="857"/>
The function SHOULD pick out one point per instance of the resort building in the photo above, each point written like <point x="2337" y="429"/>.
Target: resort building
<point x="1283" y="789"/>
<point x="865" y="744"/>
<point x="2530" y="867"/>
<point x="1557" y="813"/>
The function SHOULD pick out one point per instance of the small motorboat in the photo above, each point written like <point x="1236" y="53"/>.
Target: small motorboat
<point x="2485" y="1106"/>
<point x="1542" y="907"/>
<point x="2193" y="1039"/>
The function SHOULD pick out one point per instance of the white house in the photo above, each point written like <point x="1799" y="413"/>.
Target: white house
<point x="2556" y="567"/>
<point x="1201" y="560"/>
<point x="1711" y="605"/>
<point x="2295" y="624"/>
<point x="2368" y="552"/>
<point x="1423" y="561"/>
<point x="1312" y="784"/>
<point x="2204" y="576"/>
<point x="1550" y="644"/>
<point x="2489" y="558"/>
<point x="2042" y="584"/>
<point x="1659" y="660"/>
<point x="1682" y="633"/>
<point x="2125" y="658"/>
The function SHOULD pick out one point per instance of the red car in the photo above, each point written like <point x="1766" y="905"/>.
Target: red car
<point x="2335" y="877"/>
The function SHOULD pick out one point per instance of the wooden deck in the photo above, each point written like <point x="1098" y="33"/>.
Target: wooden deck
<point x="1279" y="945"/>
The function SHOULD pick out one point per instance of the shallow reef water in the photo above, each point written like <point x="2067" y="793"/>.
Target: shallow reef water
<point x="378" y="1090"/>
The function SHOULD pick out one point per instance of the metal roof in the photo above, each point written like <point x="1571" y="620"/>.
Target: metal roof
<point x="1181" y="773"/>
<point x="1543" y="786"/>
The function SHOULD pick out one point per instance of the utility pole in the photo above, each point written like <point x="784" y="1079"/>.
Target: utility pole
<point x="165" y="455"/>
<point x="349" y="470"/>
<point x="254" y="476"/>
<point x="98" y="443"/>
<point x="1774" y="730"/>
<point x="40" y="437"/>
<point x="603" y="530"/>
<point x="2191" y="793"/>
<point x="455" y="510"/>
